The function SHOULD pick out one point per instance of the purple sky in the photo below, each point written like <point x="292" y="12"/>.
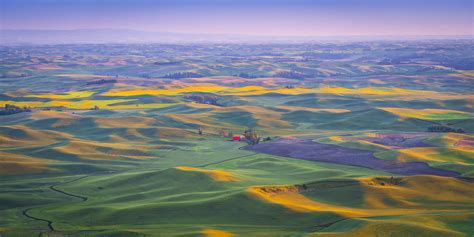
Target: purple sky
<point x="252" y="17"/>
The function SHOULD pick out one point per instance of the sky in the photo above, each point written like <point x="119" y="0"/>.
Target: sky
<point x="247" y="17"/>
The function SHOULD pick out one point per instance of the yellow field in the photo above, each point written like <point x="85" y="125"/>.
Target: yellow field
<point x="141" y="106"/>
<point x="436" y="154"/>
<point x="83" y="104"/>
<point x="289" y="197"/>
<point x="67" y="95"/>
<point x="337" y="138"/>
<point x="22" y="103"/>
<point x="429" y="114"/>
<point x="88" y="104"/>
<point x="179" y="88"/>
<point x="263" y="90"/>
<point x="216" y="233"/>
<point x="217" y="175"/>
<point x="211" y="88"/>
<point x="259" y="90"/>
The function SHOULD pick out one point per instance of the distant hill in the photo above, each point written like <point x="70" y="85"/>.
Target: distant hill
<point x="93" y="36"/>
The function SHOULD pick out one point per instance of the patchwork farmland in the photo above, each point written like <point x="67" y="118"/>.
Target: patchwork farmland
<point x="321" y="139"/>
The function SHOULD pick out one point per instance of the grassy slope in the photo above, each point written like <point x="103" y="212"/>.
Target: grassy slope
<point x="159" y="197"/>
<point x="170" y="201"/>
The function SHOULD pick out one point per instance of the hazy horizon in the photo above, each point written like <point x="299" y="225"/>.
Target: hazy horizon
<point x="128" y="36"/>
<point x="245" y="34"/>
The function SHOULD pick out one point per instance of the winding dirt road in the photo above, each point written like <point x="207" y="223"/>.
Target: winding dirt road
<point x="26" y="212"/>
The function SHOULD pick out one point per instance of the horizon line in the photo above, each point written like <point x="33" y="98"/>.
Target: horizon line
<point x="248" y="35"/>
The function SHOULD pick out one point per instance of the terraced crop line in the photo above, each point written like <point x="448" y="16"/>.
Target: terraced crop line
<point x="53" y="187"/>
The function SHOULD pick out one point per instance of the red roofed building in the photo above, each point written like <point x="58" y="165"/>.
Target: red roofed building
<point x="236" y="138"/>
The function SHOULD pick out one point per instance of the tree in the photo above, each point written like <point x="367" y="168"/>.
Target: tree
<point x="443" y="128"/>
<point x="181" y="75"/>
<point x="267" y="139"/>
<point x="291" y="75"/>
<point x="251" y="137"/>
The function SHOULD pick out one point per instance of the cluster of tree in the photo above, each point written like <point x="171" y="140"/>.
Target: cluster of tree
<point x="302" y="187"/>
<point x="267" y="139"/>
<point x="443" y="128"/>
<point x="291" y="75"/>
<point x="251" y="137"/>
<point x="204" y="99"/>
<point x="181" y="75"/>
<point x="12" y="109"/>
<point x="102" y="81"/>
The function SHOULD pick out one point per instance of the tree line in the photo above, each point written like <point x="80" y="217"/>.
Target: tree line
<point x="12" y="109"/>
